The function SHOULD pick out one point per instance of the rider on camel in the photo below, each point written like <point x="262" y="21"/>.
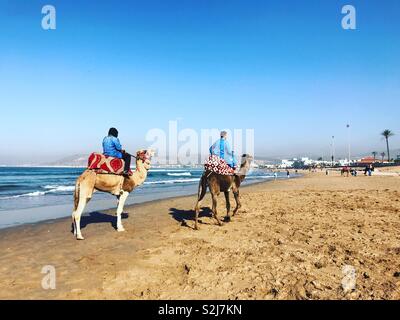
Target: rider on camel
<point x="113" y="148"/>
<point x="222" y="149"/>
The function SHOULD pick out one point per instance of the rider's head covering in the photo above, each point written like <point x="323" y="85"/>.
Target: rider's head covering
<point x="113" y="132"/>
<point x="224" y="134"/>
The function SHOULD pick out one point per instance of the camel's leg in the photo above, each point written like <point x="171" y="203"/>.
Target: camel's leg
<point x="83" y="192"/>
<point x="121" y="203"/>
<point x="238" y="204"/>
<point x="228" y="206"/>
<point x="73" y="223"/>
<point x="76" y="218"/>
<point x="214" y="207"/>
<point x="200" y="195"/>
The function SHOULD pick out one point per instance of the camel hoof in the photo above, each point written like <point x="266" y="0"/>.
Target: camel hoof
<point x="122" y="229"/>
<point x="227" y="219"/>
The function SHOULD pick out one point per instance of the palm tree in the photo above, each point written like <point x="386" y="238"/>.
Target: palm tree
<point x="382" y="155"/>
<point x="387" y="134"/>
<point x="374" y="153"/>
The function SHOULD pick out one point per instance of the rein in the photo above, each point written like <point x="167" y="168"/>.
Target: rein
<point x="140" y="158"/>
<point x="143" y="159"/>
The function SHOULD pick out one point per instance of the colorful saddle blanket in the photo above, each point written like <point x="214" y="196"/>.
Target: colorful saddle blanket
<point x="218" y="165"/>
<point x="103" y="164"/>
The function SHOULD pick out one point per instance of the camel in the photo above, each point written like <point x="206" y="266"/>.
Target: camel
<point x="345" y="170"/>
<point x="224" y="183"/>
<point x="89" y="182"/>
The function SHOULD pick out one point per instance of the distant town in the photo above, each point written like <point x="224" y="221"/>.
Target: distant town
<point x="305" y="162"/>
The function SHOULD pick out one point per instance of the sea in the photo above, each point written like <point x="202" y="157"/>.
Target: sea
<point x="33" y="194"/>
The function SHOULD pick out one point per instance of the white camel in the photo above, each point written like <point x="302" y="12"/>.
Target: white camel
<point x="89" y="182"/>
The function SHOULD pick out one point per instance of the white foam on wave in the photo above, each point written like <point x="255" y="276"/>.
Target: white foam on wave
<point x="165" y="170"/>
<point x="259" y="177"/>
<point x="30" y="194"/>
<point x="59" y="188"/>
<point x="51" y="189"/>
<point x="178" y="174"/>
<point x="172" y="181"/>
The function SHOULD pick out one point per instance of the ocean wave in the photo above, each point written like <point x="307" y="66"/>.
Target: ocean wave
<point x="7" y="187"/>
<point x="259" y="177"/>
<point x="30" y="194"/>
<point x="173" y="181"/>
<point x="50" y="189"/>
<point x="165" y="170"/>
<point x="56" y="188"/>
<point x="177" y="174"/>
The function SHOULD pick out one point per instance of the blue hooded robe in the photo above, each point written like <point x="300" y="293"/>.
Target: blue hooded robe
<point x="222" y="149"/>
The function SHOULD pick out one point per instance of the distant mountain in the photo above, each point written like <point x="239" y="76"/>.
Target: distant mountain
<point x="77" y="160"/>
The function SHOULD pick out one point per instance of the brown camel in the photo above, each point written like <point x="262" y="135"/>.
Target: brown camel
<point x="89" y="182"/>
<point x="224" y="183"/>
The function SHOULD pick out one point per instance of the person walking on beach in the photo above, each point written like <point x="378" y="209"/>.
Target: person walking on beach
<point x="113" y="148"/>
<point x="222" y="149"/>
<point x="288" y="174"/>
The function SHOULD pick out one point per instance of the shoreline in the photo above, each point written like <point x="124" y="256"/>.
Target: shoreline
<point x="290" y="240"/>
<point x="100" y="205"/>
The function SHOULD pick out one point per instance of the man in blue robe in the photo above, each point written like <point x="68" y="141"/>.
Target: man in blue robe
<point x="222" y="149"/>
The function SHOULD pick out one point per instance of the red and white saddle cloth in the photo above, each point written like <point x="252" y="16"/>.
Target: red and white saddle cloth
<point x="104" y="164"/>
<point x="218" y="165"/>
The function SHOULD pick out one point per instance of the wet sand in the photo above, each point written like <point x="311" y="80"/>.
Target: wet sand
<point x="290" y="240"/>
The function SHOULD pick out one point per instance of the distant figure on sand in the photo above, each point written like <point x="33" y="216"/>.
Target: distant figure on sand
<point x="222" y="149"/>
<point x="345" y="170"/>
<point x="113" y="148"/>
<point x="368" y="170"/>
<point x="288" y="174"/>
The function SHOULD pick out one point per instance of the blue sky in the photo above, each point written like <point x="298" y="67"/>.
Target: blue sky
<point x="283" y="68"/>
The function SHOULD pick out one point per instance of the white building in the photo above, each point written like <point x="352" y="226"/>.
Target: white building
<point x="287" y="163"/>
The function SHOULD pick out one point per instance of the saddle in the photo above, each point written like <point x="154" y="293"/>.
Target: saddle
<point x="100" y="163"/>
<point x="218" y="165"/>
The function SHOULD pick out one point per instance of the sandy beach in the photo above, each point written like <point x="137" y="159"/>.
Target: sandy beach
<point x="291" y="240"/>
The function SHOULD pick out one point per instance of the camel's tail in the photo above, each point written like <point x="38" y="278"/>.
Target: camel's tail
<point x="76" y="194"/>
<point x="86" y="181"/>
<point x="202" y="188"/>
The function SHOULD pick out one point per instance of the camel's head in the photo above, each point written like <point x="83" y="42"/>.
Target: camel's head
<point x="245" y="164"/>
<point x="246" y="158"/>
<point x="145" y="157"/>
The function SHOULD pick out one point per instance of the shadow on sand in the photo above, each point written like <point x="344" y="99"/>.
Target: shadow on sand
<point x="184" y="215"/>
<point x="99" y="217"/>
